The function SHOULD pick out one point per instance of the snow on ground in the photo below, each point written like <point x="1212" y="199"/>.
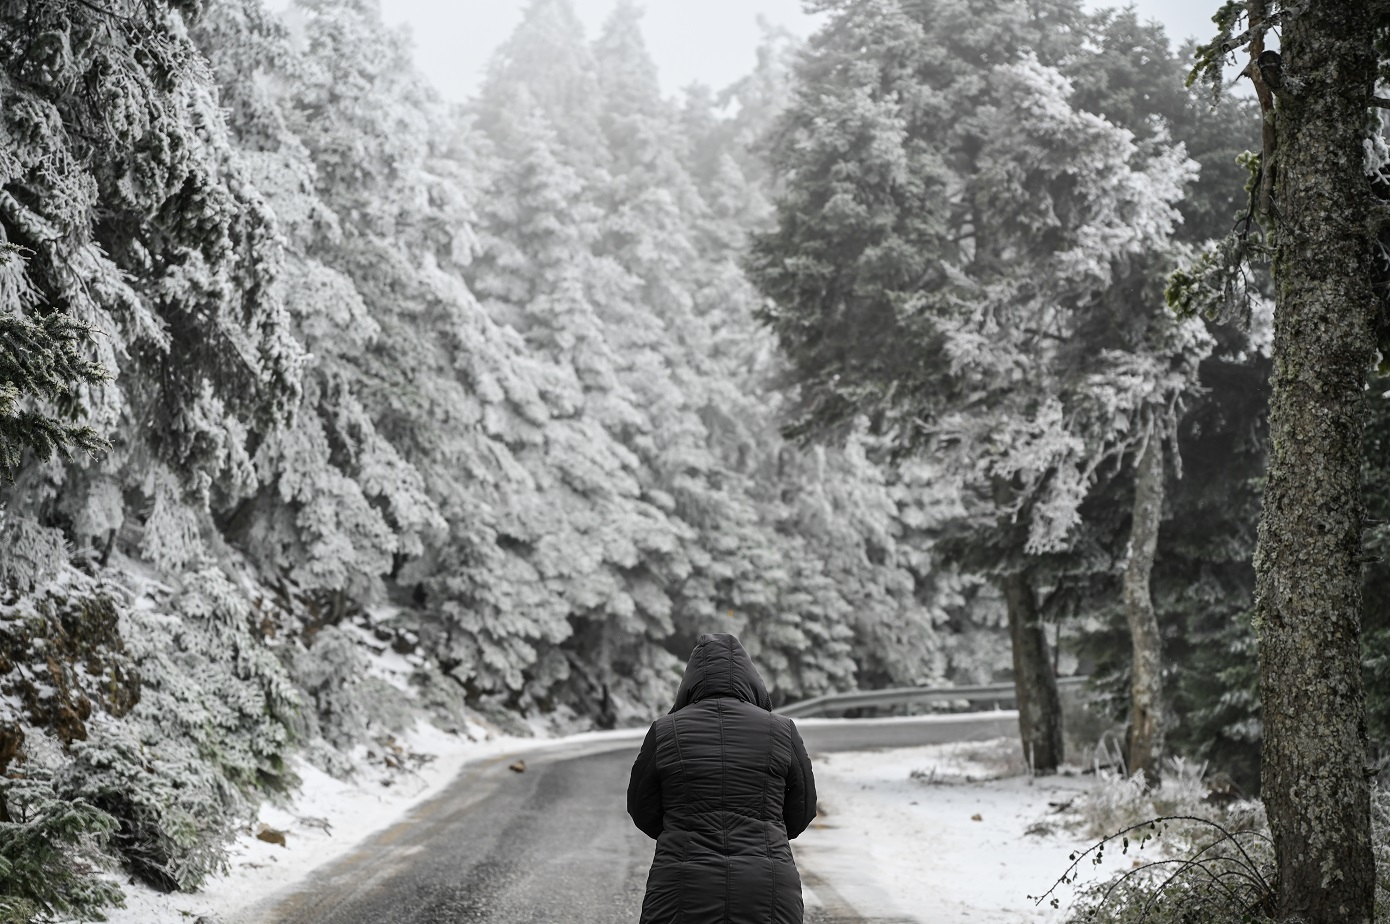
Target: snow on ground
<point x="939" y="835"/>
<point x="326" y="819"/>
<point x="929" y="834"/>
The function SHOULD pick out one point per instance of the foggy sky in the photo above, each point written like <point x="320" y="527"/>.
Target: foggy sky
<point x="706" y="41"/>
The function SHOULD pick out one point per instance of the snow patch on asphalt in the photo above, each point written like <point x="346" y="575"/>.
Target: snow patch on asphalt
<point x="940" y="833"/>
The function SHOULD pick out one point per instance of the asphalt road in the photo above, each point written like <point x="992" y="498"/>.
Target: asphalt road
<point x="552" y="845"/>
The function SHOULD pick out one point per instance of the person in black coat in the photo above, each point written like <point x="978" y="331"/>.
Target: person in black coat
<point x="722" y="784"/>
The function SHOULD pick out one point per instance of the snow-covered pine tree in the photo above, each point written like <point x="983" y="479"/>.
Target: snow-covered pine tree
<point x="720" y="141"/>
<point x="546" y="64"/>
<point x="511" y="481"/>
<point x="143" y="228"/>
<point x="936" y="244"/>
<point x="608" y="548"/>
<point x="137" y="221"/>
<point x="397" y="459"/>
<point x="1198" y="554"/>
<point x="676" y="329"/>
<point x="337" y="503"/>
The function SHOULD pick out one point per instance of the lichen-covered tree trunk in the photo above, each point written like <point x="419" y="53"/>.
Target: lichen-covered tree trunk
<point x="1035" y="684"/>
<point x="1146" y="716"/>
<point x="1308" y="568"/>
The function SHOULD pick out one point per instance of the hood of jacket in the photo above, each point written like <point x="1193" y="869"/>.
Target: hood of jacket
<point x="720" y="667"/>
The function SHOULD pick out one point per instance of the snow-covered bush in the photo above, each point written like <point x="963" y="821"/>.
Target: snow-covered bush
<point x="1187" y="870"/>
<point x="211" y="727"/>
<point x="444" y="700"/>
<point x="173" y="813"/>
<point x="1223" y="877"/>
<point x="1183" y="789"/>
<point x="1116" y="801"/>
<point x="61" y="661"/>
<point x="388" y="708"/>
<point x="31" y="551"/>
<point x="149" y="716"/>
<point x="210" y="681"/>
<point x="1198" y="855"/>
<point x="48" y="846"/>
<point x="331" y="673"/>
<point x="1119" y="800"/>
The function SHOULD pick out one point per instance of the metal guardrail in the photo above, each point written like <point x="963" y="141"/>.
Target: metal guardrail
<point x="904" y="696"/>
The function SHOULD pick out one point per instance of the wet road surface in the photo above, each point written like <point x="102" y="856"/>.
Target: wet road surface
<point x="552" y="845"/>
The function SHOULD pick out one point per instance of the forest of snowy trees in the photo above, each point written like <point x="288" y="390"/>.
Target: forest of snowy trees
<point x="300" y="366"/>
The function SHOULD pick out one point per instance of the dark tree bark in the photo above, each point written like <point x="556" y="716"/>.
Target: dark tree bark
<point x="11" y="743"/>
<point x="1308" y="566"/>
<point x="1035" y="684"/>
<point x="1146" y="716"/>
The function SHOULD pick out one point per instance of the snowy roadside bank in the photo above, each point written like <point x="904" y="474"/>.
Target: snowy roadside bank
<point x="939" y="834"/>
<point x="326" y="819"/>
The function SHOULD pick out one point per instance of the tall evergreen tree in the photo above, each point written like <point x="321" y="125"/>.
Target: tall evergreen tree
<point x="1314" y="198"/>
<point x="936" y="280"/>
<point x="337" y="503"/>
<point x="611" y="545"/>
<point x="127" y="212"/>
<point x="424" y="414"/>
<point x="1135" y="80"/>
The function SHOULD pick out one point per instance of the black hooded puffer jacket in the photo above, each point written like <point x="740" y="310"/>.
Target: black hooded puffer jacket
<point x="722" y="783"/>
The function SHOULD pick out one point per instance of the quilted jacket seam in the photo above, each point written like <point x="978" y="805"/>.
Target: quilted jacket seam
<point x="680" y="762"/>
<point x="723" y="800"/>
<point x="767" y="778"/>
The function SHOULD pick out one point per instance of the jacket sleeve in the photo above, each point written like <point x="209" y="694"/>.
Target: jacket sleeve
<point x="644" y="789"/>
<point x="799" y="803"/>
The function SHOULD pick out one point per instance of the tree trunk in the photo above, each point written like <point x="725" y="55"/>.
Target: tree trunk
<point x="1308" y="568"/>
<point x="1146" y="715"/>
<point x="1035" y="684"/>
